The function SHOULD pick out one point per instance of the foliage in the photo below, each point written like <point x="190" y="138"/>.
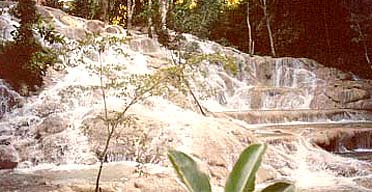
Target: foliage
<point x="241" y="178"/>
<point x="120" y="15"/>
<point x="190" y="70"/>
<point x="133" y="88"/>
<point x="100" y="42"/>
<point x="328" y="32"/>
<point x="360" y="24"/>
<point x="144" y="13"/>
<point x="87" y="9"/>
<point x="114" y="12"/>
<point x="215" y="58"/>
<point x="53" y="3"/>
<point x="232" y="3"/>
<point x="315" y="34"/>
<point x="116" y="81"/>
<point x="243" y="175"/>
<point x="24" y="60"/>
<point x="195" y="17"/>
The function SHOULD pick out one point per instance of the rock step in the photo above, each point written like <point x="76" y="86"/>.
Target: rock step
<point x="267" y="97"/>
<point x="314" y="97"/>
<point x="300" y="116"/>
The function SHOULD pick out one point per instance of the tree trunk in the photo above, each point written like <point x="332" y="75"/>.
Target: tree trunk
<point x="327" y="36"/>
<point x="149" y="19"/>
<point x="129" y="14"/>
<point x="366" y="55"/>
<point x="105" y="6"/>
<point x="163" y="14"/>
<point x="131" y="4"/>
<point x="250" y="42"/>
<point x="268" y="25"/>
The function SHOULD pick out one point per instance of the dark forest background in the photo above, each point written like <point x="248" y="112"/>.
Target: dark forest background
<point x="324" y="30"/>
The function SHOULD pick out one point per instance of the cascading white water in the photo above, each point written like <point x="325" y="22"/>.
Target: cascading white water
<point x="313" y="169"/>
<point x="48" y="128"/>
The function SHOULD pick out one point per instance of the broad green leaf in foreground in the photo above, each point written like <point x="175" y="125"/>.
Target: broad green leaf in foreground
<point x="188" y="171"/>
<point x="242" y="177"/>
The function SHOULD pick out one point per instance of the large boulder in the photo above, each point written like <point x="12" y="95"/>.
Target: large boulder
<point x="8" y="155"/>
<point x="115" y="29"/>
<point x="136" y="139"/>
<point x="95" y="26"/>
<point x="144" y="45"/>
<point x="8" y="99"/>
<point x="51" y="125"/>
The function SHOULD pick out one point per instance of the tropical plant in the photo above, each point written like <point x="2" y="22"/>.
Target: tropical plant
<point x="241" y="179"/>
<point x="131" y="88"/>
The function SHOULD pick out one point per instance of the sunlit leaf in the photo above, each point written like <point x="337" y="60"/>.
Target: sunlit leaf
<point x="242" y="177"/>
<point x="189" y="173"/>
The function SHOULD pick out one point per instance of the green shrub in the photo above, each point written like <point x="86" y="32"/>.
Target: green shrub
<point x="215" y="58"/>
<point x="53" y="3"/>
<point x="24" y="61"/>
<point x="241" y="179"/>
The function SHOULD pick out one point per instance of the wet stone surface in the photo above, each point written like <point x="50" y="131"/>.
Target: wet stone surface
<point x="8" y="155"/>
<point x="8" y="99"/>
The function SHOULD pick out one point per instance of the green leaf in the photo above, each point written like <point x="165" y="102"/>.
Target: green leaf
<point x="243" y="175"/>
<point x="189" y="173"/>
<point x="280" y="187"/>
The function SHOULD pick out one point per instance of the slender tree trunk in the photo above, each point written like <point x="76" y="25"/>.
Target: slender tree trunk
<point x="268" y="26"/>
<point x="327" y="35"/>
<point x="163" y="14"/>
<point x="366" y="55"/>
<point x="361" y="35"/>
<point x="110" y="130"/>
<point x="253" y="47"/>
<point x="131" y="4"/>
<point x="129" y="14"/>
<point x="250" y="41"/>
<point x="149" y="19"/>
<point x="105" y="5"/>
<point x="201" y="25"/>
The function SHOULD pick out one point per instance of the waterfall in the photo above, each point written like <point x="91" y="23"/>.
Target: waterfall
<point x="285" y="102"/>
